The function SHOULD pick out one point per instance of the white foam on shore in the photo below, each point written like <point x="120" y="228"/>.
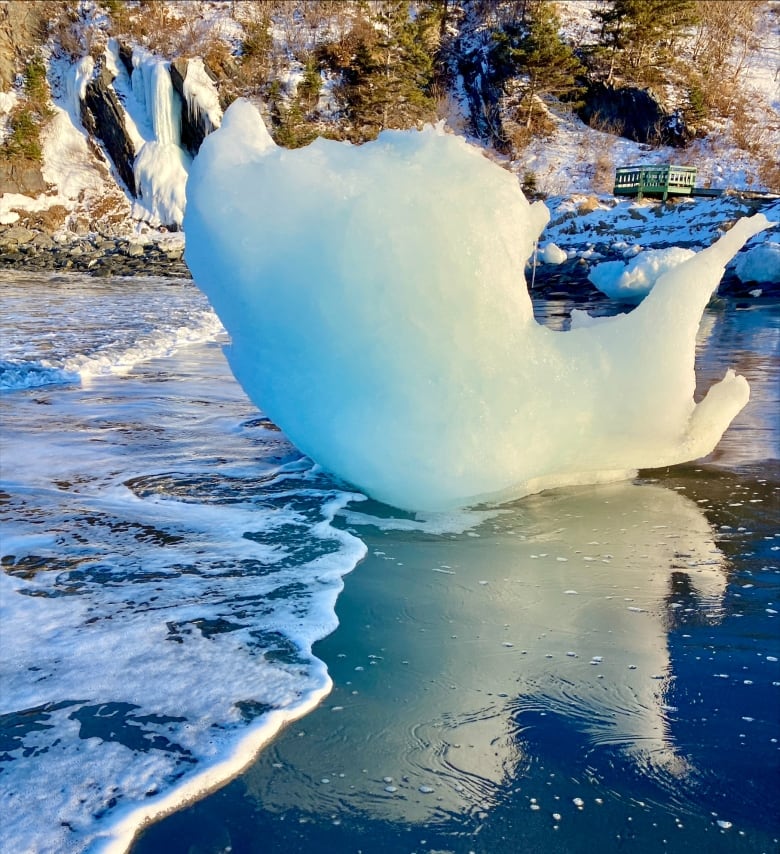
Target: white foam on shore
<point x="168" y="562"/>
<point x="122" y="834"/>
<point x="203" y="326"/>
<point x="114" y="747"/>
<point x="146" y="320"/>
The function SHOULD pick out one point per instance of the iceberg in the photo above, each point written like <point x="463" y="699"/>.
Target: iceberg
<point x="633" y="281"/>
<point x="378" y="313"/>
<point x="552" y="254"/>
<point x="760" y="264"/>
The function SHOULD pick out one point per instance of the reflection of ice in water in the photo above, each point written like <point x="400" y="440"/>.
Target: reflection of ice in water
<point x="751" y="335"/>
<point x="561" y="605"/>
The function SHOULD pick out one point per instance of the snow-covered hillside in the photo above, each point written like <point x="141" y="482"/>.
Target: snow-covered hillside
<point x="571" y="162"/>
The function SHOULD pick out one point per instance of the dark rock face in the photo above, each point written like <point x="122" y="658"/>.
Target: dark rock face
<point x="102" y="116"/>
<point x="195" y="126"/>
<point x="634" y="114"/>
<point x="21" y="176"/>
<point x="126" y="55"/>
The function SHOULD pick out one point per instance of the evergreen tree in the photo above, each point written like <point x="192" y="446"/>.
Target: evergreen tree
<point x="547" y="64"/>
<point x="387" y="65"/>
<point x="639" y="34"/>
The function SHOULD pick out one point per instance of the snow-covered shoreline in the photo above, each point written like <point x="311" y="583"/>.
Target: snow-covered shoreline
<point x="583" y="232"/>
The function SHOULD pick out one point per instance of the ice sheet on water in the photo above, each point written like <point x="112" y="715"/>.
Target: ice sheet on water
<point x="378" y="313"/>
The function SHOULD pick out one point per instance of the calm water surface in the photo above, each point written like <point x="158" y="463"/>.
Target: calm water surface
<point x="590" y="669"/>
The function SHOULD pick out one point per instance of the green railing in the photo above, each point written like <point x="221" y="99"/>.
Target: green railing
<point x="655" y="180"/>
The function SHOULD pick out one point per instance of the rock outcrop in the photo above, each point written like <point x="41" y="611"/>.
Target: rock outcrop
<point x="22" y="28"/>
<point x="195" y="125"/>
<point x="633" y="113"/>
<point x="103" y="116"/>
<point x="21" y="176"/>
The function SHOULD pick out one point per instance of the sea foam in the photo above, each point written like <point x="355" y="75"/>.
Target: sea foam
<point x="378" y="312"/>
<point x="158" y="600"/>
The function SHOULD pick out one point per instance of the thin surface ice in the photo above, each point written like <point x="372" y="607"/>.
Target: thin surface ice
<point x="378" y="313"/>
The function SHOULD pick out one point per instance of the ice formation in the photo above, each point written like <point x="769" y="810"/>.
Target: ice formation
<point x="161" y="164"/>
<point x="759" y="264"/>
<point x="378" y="313"/>
<point x="201" y="94"/>
<point x="552" y="254"/>
<point x="632" y="282"/>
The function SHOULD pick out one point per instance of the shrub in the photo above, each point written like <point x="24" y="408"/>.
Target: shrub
<point x="35" y="86"/>
<point x="529" y="183"/>
<point x="23" y="140"/>
<point x="23" y="136"/>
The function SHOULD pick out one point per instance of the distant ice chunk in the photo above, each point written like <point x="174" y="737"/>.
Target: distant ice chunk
<point x="378" y="312"/>
<point x="552" y="254"/>
<point x="759" y="264"/>
<point x="632" y="281"/>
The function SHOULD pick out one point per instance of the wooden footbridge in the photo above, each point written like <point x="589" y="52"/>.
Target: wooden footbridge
<point x="660" y="180"/>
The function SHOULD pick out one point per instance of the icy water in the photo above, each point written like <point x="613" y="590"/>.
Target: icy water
<point x="583" y="669"/>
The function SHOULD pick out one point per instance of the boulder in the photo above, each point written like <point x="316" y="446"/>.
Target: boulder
<point x="17" y="235"/>
<point x="21" y="176"/>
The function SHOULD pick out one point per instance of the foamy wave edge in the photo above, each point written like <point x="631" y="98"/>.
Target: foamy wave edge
<point x="117" y="840"/>
<point x="17" y="375"/>
<point x="121" y="360"/>
<point x="20" y="374"/>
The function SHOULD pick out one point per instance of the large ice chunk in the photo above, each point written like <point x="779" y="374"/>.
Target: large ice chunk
<point x="759" y="264"/>
<point x="378" y="312"/>
<point x="633" y="281"/>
